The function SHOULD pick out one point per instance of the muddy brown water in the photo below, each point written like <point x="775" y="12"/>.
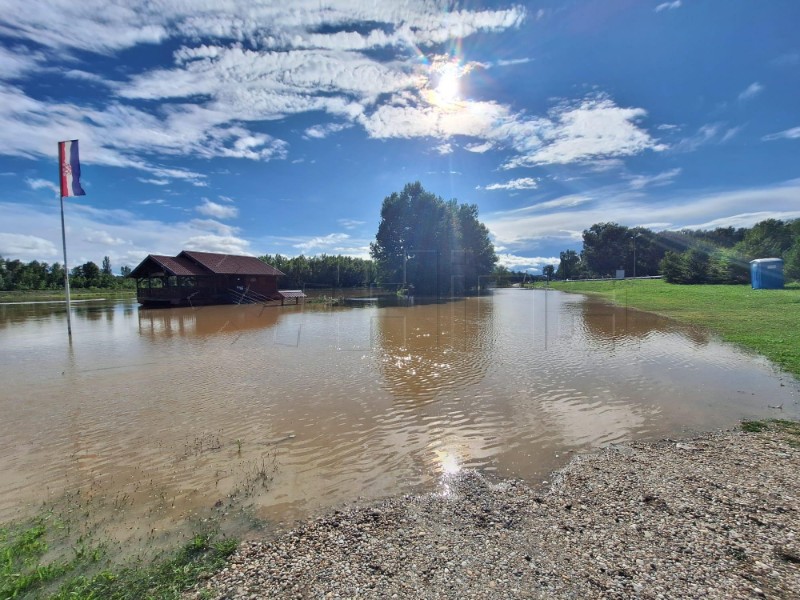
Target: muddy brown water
<point x="157" y="416"/>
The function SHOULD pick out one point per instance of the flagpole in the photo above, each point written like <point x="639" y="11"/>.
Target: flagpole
<point x="66" y="270"/>
<point x="69" y="183"/>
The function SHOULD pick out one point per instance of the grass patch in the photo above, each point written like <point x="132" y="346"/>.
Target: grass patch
<point x="29" y="568"/>
<point x="765" y="321"/>
<point x="754" y="426"/>
<point x="58" y="295"/>
<point x="790" y="430"/>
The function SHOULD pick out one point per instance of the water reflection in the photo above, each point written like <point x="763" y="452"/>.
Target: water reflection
<point x="177" y="409"/>
<point x="607" y="324"/>
<point x="425" y="350"/>
<point x="206" y="320"/>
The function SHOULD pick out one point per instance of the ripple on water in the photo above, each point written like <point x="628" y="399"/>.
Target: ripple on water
<point x="180" y="408"/>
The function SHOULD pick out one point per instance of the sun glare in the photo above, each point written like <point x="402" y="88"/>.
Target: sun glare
<point x="449" y="88"/>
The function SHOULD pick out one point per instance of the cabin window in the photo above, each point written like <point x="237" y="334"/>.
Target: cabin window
<point x="188" y="282"/>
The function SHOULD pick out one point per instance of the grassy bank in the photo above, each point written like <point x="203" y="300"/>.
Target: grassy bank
<point x="40" y="558"/>
<point x="766" y="321"/>
<point x="58" y="295"/>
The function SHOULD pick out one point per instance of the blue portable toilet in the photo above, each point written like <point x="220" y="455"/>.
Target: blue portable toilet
<point x="766" y="273"/>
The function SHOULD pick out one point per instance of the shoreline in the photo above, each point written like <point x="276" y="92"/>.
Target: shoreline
<point x="715" y="516"/>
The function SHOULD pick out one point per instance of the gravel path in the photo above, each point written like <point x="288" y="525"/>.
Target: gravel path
<point x="713" y="517"/>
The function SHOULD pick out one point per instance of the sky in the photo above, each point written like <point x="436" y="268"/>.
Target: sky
<point x="259" y="127"/>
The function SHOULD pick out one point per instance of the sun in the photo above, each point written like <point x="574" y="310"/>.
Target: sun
<point x="449" y="88"/>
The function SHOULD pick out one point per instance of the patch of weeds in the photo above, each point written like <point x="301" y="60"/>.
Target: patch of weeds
<point x="167" y="577"/>
<point x="754" y="426"/>
<point x="29" y="568"/>
<point x="791" y="429"/>
<point x="206" y="442"/>
<point x="23" y="547"/>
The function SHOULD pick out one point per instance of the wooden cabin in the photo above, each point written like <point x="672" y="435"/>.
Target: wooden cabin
<point x="195" y="278"/>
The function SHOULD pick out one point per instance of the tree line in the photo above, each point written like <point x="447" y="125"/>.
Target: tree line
<point x="322" y="271"/>
<point x="721" y="255"/>
<point x="35" y="275"/>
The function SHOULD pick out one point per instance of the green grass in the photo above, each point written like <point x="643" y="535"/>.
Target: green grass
<point x="30" y="569"/>
<point x="766" y="321"/>
<point x="58" y="295"/>
<point x="788" y="429"/>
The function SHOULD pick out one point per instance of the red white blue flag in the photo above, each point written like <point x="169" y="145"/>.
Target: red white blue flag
<point x="70" y="169"/>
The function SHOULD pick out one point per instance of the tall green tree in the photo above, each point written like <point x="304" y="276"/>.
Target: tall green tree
<point x="766" y="239"/>
<point x="568" y="265"/>
<point x="437" y="247"/>
<point x="607" y="247"/>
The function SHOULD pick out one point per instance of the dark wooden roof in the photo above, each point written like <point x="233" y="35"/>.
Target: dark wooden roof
<point x="231" y="264"/>
<point x="204" y="263"/>
<point x="171" y="265"/>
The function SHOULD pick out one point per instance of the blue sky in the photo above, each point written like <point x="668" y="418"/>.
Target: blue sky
<point x="279" y="127"/>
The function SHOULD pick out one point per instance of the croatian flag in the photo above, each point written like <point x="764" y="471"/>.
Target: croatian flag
<point x="70" y="169"/>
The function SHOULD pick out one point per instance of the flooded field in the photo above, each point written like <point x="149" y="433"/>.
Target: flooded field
<point x="160" y="417"/>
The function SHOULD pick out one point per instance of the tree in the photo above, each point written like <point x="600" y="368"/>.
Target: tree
<point x="55" y="279"/>
<point x="91" y="274"/>
<point x="568" y="265"/>
<point x="606" y="248"/>
<point x="547" y="271"/>
<point x="125" y="270"/>
<point x="695" y="266"/>
<point x="438" y="247"/>
<point x="766" y="239"/>
<point x="106" y="268"/>
<point x="791" y="265"/>
<point x="671" y="267"/>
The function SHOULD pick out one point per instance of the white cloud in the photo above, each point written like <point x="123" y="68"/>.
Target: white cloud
<point x="479" y="148"/>
<point x="325" y="243"/>
<point x="668" y="5"/>
<point x="639" y="182"/>
<point x="514" y="262"/>
<point x="350" y="223"/>
<point x="102" y="238"/>
<point x="753" y="90"/>
<point x="323" y="131"/>
<point x="595" y="128"/>
<point x="512" y="62"/>
<point x="217" y="243"/>
<point x="220" y="211"/>
<point x="710" y="132"/>
<point x="221" y="229"/>
<point x="786" y="134"/>
<point x="26" y="247"/>
<point x="731" y="133"/>
<point x="445" y="148"/>
<point x="96" y="232"/>
<point x="523" y="183"/>
<point x="18" y="62"/>
<point x="154" y="181"/>
<point x="527" y="227"/>
<point x="244" y="62"/>
<point x="38" y="184"/>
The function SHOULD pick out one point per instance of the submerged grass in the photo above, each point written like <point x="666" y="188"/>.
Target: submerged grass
<point x="30" y="569"/>
<point x="766" y="321"/>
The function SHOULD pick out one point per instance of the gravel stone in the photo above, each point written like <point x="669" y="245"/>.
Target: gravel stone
<point x="713" y="517"/>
